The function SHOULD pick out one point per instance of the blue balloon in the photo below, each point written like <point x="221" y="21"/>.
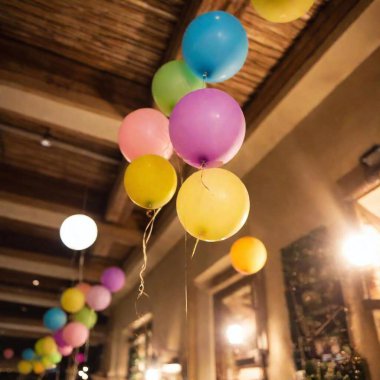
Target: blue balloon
<point x="28" y="354"/>
<point x="215" y="46"/>
<point x="55" y="318"/>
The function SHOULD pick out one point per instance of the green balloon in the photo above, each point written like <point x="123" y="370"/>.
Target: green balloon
<point x="86" y="316"/>
<point x="171" y="82"/>
<point x="47" y="363"/>
<point x="54" y="358"/>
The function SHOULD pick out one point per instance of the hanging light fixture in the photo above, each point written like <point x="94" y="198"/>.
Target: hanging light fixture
<point x="78" y="232"/>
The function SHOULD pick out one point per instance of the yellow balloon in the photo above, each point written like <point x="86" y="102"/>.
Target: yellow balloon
<point x="282" y="10"/>
<point x="72" y="300"/>
<point x="38" y="368"/>
<point x="24" y="367"/>
<point x="248" y="255"/>
<point x="48" y="346"/>
<point x="38" y="347"/>
<point x="213" y="204"/>
<point x="150" y="181"/>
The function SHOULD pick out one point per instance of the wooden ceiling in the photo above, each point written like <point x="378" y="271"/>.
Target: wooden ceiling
<point x="97" y="59"/>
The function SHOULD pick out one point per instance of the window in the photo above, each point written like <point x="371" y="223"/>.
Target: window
<point x="240" y="333"/>
<point x="140" y="351"/>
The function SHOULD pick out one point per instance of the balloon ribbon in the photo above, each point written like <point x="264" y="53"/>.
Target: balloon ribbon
<point x="146" y="237"/>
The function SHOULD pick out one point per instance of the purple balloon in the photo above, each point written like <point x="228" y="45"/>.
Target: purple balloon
<point x="58" y="337"/>
<point x="80" y="358"/>
<point x="113" y="279"/>
<point x="207" y="128"/>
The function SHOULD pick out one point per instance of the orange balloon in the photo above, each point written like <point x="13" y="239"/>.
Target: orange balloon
<point x="83" y="287"/>
<point x="248" y="255"/>
<point x="38" y="368"/>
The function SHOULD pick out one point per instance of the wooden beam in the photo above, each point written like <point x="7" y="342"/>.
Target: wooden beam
<point x="68" y="196"/>
<point x="119" y="206"/>
<point x="32" y="212"/>
<point x="192" y="9"/>
<point x="35" y="263"/>
<point x="189" y="11"/>
<point x="359" y="182"/>
<point x="34" y="328"/>
<point x="56" y="113"/>
<point x="61" y="78"/>
<point x="28" y="297"/>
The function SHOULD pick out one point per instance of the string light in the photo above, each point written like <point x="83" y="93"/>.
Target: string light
<point x="85" y="369"/>
<point x="35" y="282"/>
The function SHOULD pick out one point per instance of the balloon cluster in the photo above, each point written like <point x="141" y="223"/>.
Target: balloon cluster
<point x="81" y="303"/>
<point x="206" y="128"/>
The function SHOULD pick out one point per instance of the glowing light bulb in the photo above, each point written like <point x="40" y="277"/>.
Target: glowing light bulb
<point x="85" y="369"/>
<point x="80" y="373"/>
<point x="235" y="334"/>
<point x="171" y="368"/>
<point x="362" y="249"/>
<point x="153" y="374"/>
<point x="84" y="376"/>
<point x="78" y="232"/>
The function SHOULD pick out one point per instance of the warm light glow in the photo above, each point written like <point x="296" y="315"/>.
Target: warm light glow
<point x="235" y="334"/>
<point x="35" y="282"/>
<point x="80" y="373"/>
<point x="85" y="369"/>
<point x="362" y="248"/>
<point x="153" y="374"/>
<point x="85" y="376"/>
<point x="171" y="368"/>
<point x="78" y="232"/>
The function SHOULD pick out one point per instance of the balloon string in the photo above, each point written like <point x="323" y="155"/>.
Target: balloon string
<point x="179" y="169"/>
<point x="186" y="278"/>
<point x="186" y="307"/>
<point x="204" y="77"/>
<point x="195" y="248"/>
<point x="81" y="265"/>
<point x="202" y="171"/>
<point x="146" y="237"/>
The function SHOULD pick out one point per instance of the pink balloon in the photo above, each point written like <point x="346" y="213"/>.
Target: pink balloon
<point x="8" y="353"/>
<point x="65" y="350"/>
<point x="98" y="298"/>
<point x="207" y="128"/>
<point x="145" y="131"/>
<point x="75" y="334"/>
<point x="83" y="287"/>
<point x="80" y="358"/>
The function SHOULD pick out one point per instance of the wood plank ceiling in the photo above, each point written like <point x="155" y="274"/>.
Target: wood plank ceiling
<point x="96" y="59"/>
